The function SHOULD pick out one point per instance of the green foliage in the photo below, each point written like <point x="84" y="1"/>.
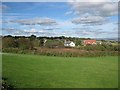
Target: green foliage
<point x="54" y="44"/>
<point x="61" y="52"/>
<point x="6" y="85"/>
<point x="32" y="37"/>
<point x="41" y="42"/>
<point x="78" y="42"/>
<point x="36" y="43"/>
<point x="24" y="43"/>
<point x="103" y="47"/>
<point x="8" y="42"/>
<point x="32" y="41"/>
<point x="11" y="50"/>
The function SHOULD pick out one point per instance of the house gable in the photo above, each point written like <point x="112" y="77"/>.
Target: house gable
<point x="69" y="44"/>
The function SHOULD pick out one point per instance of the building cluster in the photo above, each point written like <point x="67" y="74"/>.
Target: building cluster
<point x="84" y="42"/>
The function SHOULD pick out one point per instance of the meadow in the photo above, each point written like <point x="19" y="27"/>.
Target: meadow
<point x="36" y="71"/>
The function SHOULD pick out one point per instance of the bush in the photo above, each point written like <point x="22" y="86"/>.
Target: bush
<point x="60" y="52"/>
<point x="6" y="85"/>
<point x="10" y="50"/>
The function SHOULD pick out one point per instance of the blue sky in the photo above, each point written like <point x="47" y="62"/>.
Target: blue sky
<point x="72" y="19"/>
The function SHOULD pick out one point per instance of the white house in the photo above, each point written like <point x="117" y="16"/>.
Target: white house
<point x="69" y="44"/>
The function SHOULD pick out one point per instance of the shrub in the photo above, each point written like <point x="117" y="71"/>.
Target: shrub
<point x="11" y="50"/>
<point x="60" y="52"/>
<point x="6" y="85"/>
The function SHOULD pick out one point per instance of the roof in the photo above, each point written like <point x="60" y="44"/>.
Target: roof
<point x="89" y="41"/>
<point x="68" y="42"/>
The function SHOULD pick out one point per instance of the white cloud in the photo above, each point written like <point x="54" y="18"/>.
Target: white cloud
<point x="97" y="20"/>
<point x="95" y="8"/>
<point x="9" y="29"/>
<point x="109" y="9"/>
<point x="46" y="21"/>
<point x="69" y="12"/>
<point x="36" y="21"/>
<point x="93" y="0"/>
<point x="30" y="31"/>
<point x="65" y="24"/>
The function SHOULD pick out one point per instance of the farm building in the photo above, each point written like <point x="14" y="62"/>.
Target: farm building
<point x="89" y="42"/>
<point x="69" y="44"/>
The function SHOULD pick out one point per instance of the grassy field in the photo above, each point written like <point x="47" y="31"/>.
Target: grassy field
<point x="31" y="71"/>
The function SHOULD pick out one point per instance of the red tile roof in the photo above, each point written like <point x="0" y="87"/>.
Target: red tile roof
<point x="89" y="42"/>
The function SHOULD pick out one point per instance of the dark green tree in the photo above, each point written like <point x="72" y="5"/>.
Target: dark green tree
<point x="24" y="43"/>
<point x="8" y="42"/>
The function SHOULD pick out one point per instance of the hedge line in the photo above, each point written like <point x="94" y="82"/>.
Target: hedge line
<point x="50" y="52"/>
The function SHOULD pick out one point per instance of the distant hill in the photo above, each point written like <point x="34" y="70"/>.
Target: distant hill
<point x="110" y="39"/>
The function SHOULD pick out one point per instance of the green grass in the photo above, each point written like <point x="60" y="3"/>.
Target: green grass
<point x="32" y="71"/>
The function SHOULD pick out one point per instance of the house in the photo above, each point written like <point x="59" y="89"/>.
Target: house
<point x="69" y="44"/>
<point x="89" y="42"/>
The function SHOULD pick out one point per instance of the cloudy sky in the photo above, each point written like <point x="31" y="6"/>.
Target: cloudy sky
<point x="75" y="19"/>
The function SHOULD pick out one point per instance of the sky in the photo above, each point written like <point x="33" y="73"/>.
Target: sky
<point x="70" y="19"/>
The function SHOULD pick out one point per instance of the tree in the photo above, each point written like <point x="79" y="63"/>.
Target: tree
<point x="41" y="42"/>
<point x="24" y="43"/>
<point x="54" y="44"/>
<point x="78" y="42"/>
<point x="32" y="40"/>
<point x="32" y="37"/>
<point x="36" y="43"/>
<point x="8" y="42"/>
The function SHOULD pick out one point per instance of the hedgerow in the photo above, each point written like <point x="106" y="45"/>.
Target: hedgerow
<point x="62" y="53"/>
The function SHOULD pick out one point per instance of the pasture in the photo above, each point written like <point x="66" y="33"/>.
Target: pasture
<point x="35" y="71"/>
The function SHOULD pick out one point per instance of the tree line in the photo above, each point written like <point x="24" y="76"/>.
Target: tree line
<point x="32" y="41"/>
<point x="35" y="45"/>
